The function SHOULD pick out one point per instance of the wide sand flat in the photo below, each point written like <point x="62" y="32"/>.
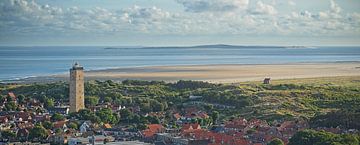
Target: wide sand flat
<point x="215" y="73"/>
<point x="218" y="73"/>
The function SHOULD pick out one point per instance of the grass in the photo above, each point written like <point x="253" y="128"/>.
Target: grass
<point x="294" y="98"/>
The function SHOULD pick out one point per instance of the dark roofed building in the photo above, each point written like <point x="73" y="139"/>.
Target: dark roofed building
<point x="60" y="110"/>
<point x="267" y="80"/>
<point x="3" y="119"/>
<point x="23" y="134"/>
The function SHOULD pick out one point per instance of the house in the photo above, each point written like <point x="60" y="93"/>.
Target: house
<point x="190" y="127"/>
<point x="167" y="138"/>
<point x="4" y="119"/>
<point x="12" y="96"/>
<point x="194" y="115"/>
<point x="237" y="124"/>
<point x="266" y="81"/>
<point x="191" y="97"/>
<point x="23" y="116"/>
<point x="57" y="139"/>
<point x="288" y="129"/>
<point x="35" y="104"/>
<point x="78" y="140"/>
<point x="25" y="125"/>
<point x="116" y="108"/>
<point x="149" y="134"/>
<point x="59" y="110"/>
<point x="41" y="118"/>
<point x="84" y="127"/>
<point x="107" y="126"/>
<point x="259" y="125"/>
<point x="176" y="116"/>
<point x="60" y="125"/>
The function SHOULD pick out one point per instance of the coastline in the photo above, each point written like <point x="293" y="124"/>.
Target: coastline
<point x="217" y="73"/>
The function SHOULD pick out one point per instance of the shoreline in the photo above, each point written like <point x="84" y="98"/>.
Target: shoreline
<point x="215" y="73"/>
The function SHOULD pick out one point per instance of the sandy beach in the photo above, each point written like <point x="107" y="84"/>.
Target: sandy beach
<point x="216" y="73"/>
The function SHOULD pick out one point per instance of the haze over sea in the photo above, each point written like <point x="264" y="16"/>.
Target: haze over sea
<point x="21" y="62"/>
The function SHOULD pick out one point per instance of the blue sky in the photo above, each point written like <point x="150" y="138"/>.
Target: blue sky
<point x="179" y="22"/>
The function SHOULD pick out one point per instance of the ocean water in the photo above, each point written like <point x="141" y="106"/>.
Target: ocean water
<point x="21" y="62"/>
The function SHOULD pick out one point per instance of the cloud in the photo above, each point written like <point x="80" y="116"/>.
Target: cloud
<point x="263" y="9"/>
<point x="22" y="17"/>
<point x="213" y="5"/>
<point x="335" y="8"/>
<point x="291" y="3"/>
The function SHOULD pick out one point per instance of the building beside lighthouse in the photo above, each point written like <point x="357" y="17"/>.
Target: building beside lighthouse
<point x="76" y="88"/>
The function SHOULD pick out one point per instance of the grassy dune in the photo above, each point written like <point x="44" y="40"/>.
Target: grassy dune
<point x="291" y="98"/>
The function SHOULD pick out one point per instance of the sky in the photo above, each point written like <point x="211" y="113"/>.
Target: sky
<point x="179" y="22"/>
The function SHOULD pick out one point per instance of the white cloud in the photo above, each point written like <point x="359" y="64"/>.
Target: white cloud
<point x="263" y="9"/>
<point x="213" y="5"/>
<point x="291" y="3"/>
<point x="335" y="8"/>
<point x="21" y="17"/>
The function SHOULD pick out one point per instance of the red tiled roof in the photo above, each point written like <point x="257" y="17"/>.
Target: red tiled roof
<point x="218" y="138"/>
<point x="155" y="127"/>
<point x="12" y="95"/>
<point x="59" y="124"/>
<point x="193" y="126"/>
<point x="286" y="125"/>
<point x="148" y="133"/>
<point x="236" y="123"/>
<point x="177" y="115"/>
<point x="152" y="130"/>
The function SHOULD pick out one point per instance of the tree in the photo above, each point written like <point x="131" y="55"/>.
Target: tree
<point x="2" y="98"/>
<point x="10" y="106"/>
<point x="215" y="116"/>
<point x="57" y="117"/>
<point x="49" y="103"/>
<point x="107" y="116"/>
<point x="136" y="119"/>
<point x="311" y="137"/>
<point x="58" y="131"/>
<point x="157" y="106"/>
<point x="126" y="114"/>
<point x="73" y="125"/>
<point x="153" y="119"/>
<point x="7" y="134"/>
<point x="142" y="126"/>
<point x="48" y="124"/>
<point x="21" y="99"/>
<point x="107" y="99"/>
<point x="86" y="114"/>
<point x="145" y="107"/>
<point x="208" y="107"/>
<point x="38" y="133"/>
<point x="276" y="141"/>
<point x="91" y="100"/>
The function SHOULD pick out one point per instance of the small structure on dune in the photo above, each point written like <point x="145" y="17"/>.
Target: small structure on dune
<point x="267" y="81"/>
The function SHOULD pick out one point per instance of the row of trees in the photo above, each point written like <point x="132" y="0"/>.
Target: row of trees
<point x="311" y="137"/>
<point x="348" y="119"/>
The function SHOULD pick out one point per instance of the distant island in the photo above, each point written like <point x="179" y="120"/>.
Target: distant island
<point x="225" y="46"/>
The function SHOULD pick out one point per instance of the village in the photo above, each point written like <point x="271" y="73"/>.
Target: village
<point x="189" y="127"/>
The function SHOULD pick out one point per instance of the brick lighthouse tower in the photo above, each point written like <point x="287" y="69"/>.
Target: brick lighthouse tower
<point x="76" y="88"/>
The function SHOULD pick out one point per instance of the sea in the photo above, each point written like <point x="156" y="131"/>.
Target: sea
<point x="22" y="62"/>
